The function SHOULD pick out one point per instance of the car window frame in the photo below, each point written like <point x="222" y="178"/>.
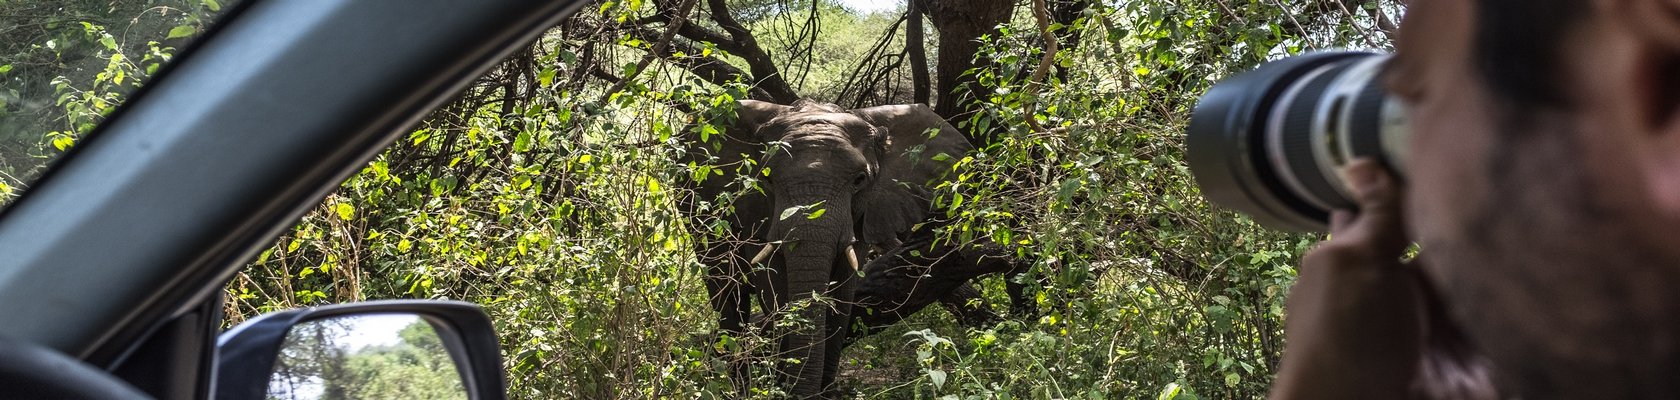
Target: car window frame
<point x="148" y="217"/>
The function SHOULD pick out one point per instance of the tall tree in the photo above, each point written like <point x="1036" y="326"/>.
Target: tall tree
<point x="960" y="24"/>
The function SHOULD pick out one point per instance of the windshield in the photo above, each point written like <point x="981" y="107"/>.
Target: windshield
<point x="65" y="65"/>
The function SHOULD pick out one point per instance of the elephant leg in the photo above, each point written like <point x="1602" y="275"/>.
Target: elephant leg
<point x="729" y="296"/>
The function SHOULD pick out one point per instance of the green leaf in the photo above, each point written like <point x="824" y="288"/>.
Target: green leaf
<point x="706" y="132"/>
<point x="522" y="143"/>
<point x="816" y="214"/>
<point x="63" y="142"/>
<point x="938" y="378"/>
<point x="790" y="211"/>
<point x="5" y="68"/>
<point x="345" y="211"/>
<point x="181" y="31"/>
<point x="546" y="77"/>
<point x="213" y="5"/>
<point x="1170" y="392"/>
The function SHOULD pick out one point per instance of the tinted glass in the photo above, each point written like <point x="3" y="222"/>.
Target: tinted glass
<point x="65" y="65"/>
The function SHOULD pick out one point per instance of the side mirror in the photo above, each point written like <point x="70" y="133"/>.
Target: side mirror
<point x="376" y="349"/>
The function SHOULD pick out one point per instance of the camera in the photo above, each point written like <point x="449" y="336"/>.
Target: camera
<point x="1271" y="142"/>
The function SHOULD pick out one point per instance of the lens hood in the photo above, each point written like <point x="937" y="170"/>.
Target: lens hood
<point x="1226" y="143"/>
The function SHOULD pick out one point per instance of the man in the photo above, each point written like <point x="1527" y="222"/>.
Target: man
<point x="1544" y="193"/>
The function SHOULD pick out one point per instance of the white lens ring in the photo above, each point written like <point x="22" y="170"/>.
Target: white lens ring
<point x="1334" y="121"/>
<point x="1274" y="136"/>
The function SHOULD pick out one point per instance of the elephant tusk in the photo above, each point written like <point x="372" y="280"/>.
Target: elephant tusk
<point x="851" y="257"/>
<point x="763" y="254"/>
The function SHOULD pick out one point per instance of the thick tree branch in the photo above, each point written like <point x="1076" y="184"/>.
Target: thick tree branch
<point x="677" y="21"/>
<point x="710" y="69"/>
<point x="766" y="75"/>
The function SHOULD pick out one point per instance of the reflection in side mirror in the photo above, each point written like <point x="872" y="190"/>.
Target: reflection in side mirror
<point x="384" y="349"/>
<point x="368" y="356"/>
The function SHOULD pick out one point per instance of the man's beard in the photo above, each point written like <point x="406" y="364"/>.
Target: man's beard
<point x="1553" y="284"/>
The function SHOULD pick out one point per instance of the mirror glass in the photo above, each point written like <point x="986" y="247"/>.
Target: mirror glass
<point x="373" y="356"/>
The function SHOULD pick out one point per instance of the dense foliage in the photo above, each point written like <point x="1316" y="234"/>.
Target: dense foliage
<point x="547" y="191"/>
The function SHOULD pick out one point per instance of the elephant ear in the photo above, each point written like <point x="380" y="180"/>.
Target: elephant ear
<point x="738" y="142"/>
<point x="751" y="115"/>
<point x="920" y="148"/>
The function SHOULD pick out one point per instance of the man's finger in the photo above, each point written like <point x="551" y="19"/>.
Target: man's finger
<point x="1340" y="219"/>
<point x="1378" y="196"/>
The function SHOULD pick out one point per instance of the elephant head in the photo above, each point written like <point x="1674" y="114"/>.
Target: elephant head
<point x="831" y="179"/>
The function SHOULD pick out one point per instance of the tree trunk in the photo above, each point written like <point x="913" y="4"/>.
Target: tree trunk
<point x="915" y="43"/>
<point x="960" y="24"/>
<point x="1066" y="12"/>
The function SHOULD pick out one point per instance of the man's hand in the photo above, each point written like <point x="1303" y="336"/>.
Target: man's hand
<point x="1354" y="324"/>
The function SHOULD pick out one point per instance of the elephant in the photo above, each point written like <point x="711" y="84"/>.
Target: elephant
<point x="828" y="181"/>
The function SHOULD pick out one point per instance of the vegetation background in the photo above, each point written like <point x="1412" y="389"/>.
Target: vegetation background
<point x="545" y="192"/>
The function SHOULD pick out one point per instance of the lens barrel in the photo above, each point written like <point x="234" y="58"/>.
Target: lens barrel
<point x="1271" y="142"/>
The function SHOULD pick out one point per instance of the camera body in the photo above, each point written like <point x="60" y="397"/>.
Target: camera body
<point x="1271" y="142"/>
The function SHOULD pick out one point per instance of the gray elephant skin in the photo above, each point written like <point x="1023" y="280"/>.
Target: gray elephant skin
<point x="832" y="183"/>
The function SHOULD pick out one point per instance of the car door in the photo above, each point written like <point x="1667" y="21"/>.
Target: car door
<point x="117" y="255"/>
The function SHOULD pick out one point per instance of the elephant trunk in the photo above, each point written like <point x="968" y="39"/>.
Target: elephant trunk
<point x="815" y="271"/>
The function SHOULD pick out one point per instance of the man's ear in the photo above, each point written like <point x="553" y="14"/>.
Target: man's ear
<point x="1658" y="21"/>
<point x="1654" y="90"/>
<point x="1625" y="63"/>
<point x="1654" y="27"/>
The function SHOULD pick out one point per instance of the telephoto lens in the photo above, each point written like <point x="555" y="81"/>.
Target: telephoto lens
<point x="1271" y="142"/>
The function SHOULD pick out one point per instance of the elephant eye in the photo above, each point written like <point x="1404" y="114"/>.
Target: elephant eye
<point x="860" y="179"/>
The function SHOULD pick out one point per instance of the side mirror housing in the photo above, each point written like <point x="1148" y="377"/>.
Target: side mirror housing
<point x="392" y="345"/>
